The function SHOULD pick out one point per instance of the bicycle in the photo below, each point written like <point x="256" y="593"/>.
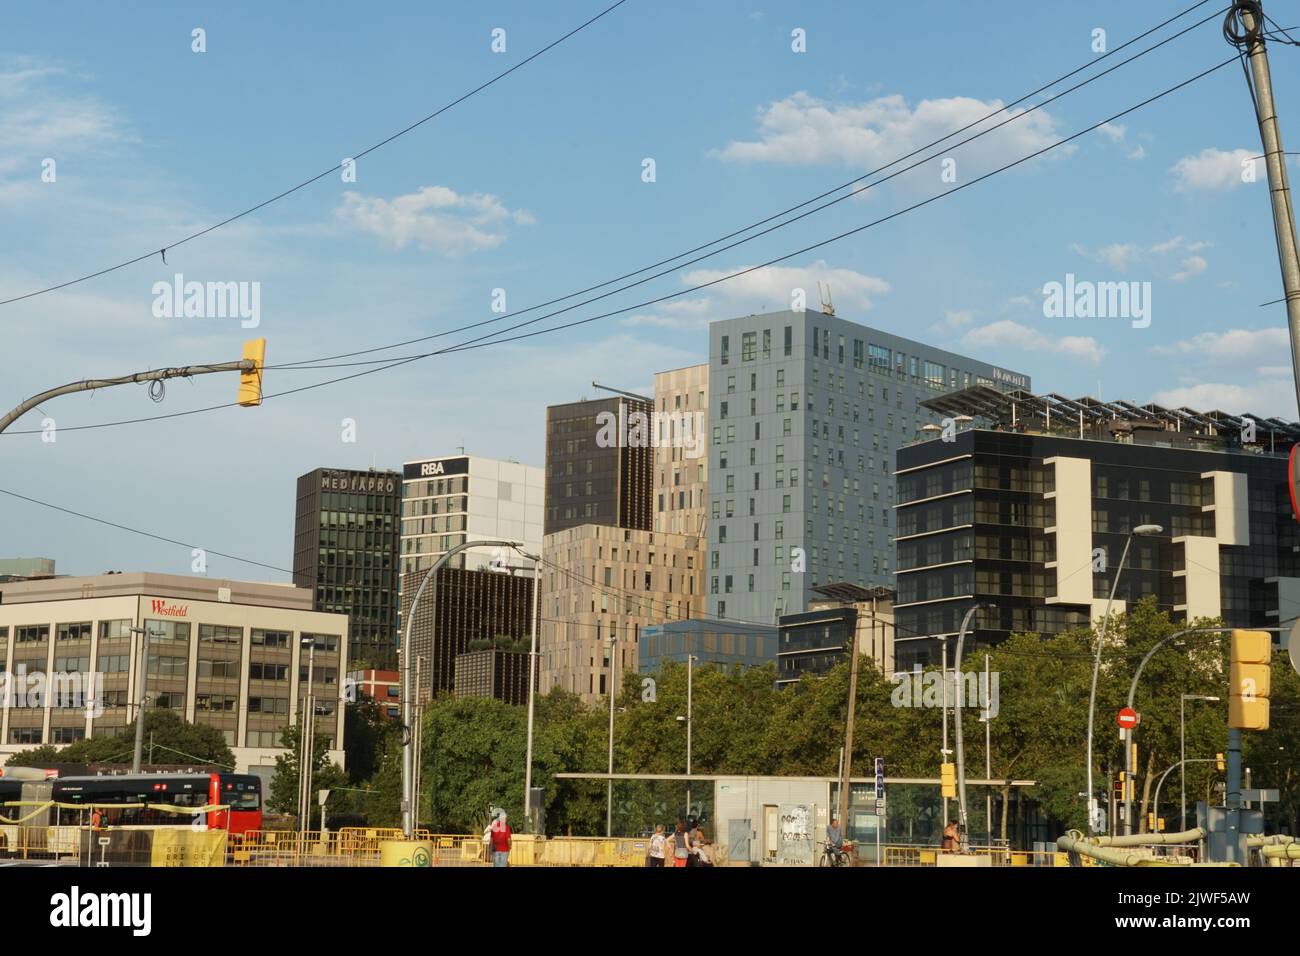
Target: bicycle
<point x="833" y="856"/>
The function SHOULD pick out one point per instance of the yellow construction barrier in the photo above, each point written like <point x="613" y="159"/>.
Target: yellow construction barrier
<point x="416" y="853"/>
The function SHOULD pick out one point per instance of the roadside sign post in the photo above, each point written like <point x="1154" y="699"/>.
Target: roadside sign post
<point x="880" y="805"/>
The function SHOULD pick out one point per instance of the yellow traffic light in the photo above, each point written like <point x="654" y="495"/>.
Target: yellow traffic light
<point x="1220" y="763"/>
<point x="1251" y="654"/>
<point x="948" y="779"/>
<point x="250" y="381"/>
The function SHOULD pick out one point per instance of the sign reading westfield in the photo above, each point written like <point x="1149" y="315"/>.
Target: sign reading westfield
<point x="163" y="609"/>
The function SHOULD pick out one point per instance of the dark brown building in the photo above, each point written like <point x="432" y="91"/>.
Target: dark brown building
<point x="470" y="606"/>
<point x="345" y="549"/>
<point x="495" y="673"/>
<point x="599" y="464"/>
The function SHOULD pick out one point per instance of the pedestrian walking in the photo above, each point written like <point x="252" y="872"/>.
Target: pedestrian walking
<point x="658" y="843"/>
<point x="681" y="845"/>
<point x="950" y="837"/>
<point x="500" y="840"/>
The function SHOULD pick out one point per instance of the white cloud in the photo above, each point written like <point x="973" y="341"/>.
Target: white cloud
<point x="434" y="217"/>
<point x="1238" y="346"/>
<point x="1192" y="265"/>
<point x="1214" y="169"/>
<point x="1138" y="153"/>
<point x="39" y="120"/>
<point x="1168" y="245"/>
<point x="773" y="286"/>
<point x="803" y="130"/>
<point x="1007" y="334"/>
<point x="676" y="314"/>
<point x="951" y="323"/>
<point x="1272" y="397"/>
<point x="1118" y="255"/>
<point x="1113" y="131"/>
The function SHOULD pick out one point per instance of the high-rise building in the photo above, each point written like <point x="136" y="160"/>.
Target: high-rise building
<point x="725" y="644"/>
<point x="460" y="606"/>
<point x="805" y="413"/>
<point x="681" y="450"/>
<point x="599" y="463"/>
<point x="232" y="655"/>
<point x="19" y="569"/>
<point x="345" y="552"/>
<point x="815" y="640"/>
<point x="464" y="498"/>
<point x="1031" y="508"/>
<point x="602" y="583"/>
<point x="493" y="672"/>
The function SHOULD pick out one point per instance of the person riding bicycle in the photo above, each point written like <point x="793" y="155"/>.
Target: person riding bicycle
<point x="834" y="837"/>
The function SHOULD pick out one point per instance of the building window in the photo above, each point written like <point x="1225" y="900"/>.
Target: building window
<point x="789" y="339"/>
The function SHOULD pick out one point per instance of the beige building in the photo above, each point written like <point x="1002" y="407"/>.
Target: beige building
<point x="601" y="582"/>
<point x="229" y="654"/>
<point x="681" y="455"/>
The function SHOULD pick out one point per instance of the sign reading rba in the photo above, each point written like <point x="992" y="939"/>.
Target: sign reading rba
<point x="164" y="609"/>
<point x="436" y="468"/>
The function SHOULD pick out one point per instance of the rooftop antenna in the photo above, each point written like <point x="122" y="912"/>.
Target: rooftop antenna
<point x="828" y="306"/>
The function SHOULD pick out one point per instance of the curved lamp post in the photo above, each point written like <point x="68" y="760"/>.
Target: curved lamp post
<point x="408" y="754"/>
<point x="1144" y="530"/>
<point x="956" y="707"/>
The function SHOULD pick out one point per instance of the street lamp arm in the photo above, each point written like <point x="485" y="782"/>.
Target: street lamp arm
<point x="94" y="384"/>
<point x="1137" y="675"/>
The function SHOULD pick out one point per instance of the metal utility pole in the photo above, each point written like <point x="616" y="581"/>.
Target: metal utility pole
<point x="609" y="784"/>
<point x="408" y="750"/>
<point x="157" y="375"/>
<point x="988" y="754"/>
<point x="944" y="751"/>
<point x="532" y="692"/>
<point x="1248" y="37"/>
<point x="308" y="743"/>
<point x="846" y="761"/>
<point x="138" y="754"/>
<point x="690" y="673"/>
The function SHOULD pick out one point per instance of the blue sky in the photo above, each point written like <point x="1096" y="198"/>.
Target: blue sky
<point x="535" y="186"/>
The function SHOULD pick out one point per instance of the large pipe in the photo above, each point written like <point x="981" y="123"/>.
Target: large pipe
<point x="1074" y="842"/>
<point x="1146" y="839"/>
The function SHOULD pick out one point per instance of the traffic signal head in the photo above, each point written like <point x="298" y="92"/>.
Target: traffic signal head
<point x="1220" y="763"/>
<point x="948" y="779"/>
<point x="1251" y="653"/>
<point x="250" y="380"/>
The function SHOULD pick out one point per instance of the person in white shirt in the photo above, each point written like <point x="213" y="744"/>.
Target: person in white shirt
<point x="655" y="856"/>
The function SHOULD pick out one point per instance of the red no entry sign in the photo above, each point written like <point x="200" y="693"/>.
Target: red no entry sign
<point x="1127" y="719"/>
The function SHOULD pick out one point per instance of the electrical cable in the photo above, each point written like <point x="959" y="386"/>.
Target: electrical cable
<point x="491" y="339"/>
<point x="337" y="166"/>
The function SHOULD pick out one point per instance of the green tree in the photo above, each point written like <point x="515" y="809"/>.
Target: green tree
<point x="326" y="775"/>
<point x="174" y="741"/>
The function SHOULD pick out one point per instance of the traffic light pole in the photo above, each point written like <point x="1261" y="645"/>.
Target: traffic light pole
<point x="94" y="384"/>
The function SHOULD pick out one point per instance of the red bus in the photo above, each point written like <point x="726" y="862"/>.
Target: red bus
<point x="240" y="793"/>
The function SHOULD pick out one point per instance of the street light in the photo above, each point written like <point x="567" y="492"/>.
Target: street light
<point x="143" y="659"/>
<point x="307" y="742"/>
<point x="1182" y="753"/>
<point x="957" y="705"/>
<point x="690" y="670"/>
<point x="1144" y="530"/>
<point x="609" y="783"/>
